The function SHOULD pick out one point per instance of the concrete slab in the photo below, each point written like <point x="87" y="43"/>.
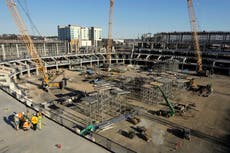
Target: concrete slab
<point x="39" y="141"/>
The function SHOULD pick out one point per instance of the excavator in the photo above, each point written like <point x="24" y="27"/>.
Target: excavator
<point x="32" y="51"/>
<point x="181" y="132"/>
<point x="166" y="113"/>
<point x="199" y="71"/>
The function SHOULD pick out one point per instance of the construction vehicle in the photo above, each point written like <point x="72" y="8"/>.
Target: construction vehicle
<point x="46" y="84"/>
<point x="129" y="134"/>
<point x="166" y="113"/>
<point x="93" y="127"/>
<point x="199" y="71"/>
<point x="90" y="128"/>
<point x="202" y="90"/>
<point x="142" y="133"/>
<point x="133" y="119"/>
<point x="182" y="133"/>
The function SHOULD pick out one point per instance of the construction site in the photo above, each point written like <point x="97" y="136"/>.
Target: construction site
<point x="155" y="96"/>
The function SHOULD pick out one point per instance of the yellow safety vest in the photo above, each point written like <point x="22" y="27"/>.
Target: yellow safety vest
<point x="34" y="120"/>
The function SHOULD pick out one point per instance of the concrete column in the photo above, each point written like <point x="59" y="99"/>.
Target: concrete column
<point x="28" y="70"/>
<point x="81" y="63"/>
<point x="17" y="51"/>
<point x="3" y="52"/>
<point x="44" y="49"/>
<point x="21" y="74"/>
<point x="37" y="72"/>
<point x="76" y="47"/>
<point x="68" y="47"/>
<point x="70" y="67"/>
<point x="98" y="62"/>
<point x="56" y="66"/>
<point x="45" y="67"/>
<point x="103" y="59"/>
<point x="91" y="62"/>
<point x="214" y="63"/>
<point x="15" y="76"/>
<point x="151" y="46"/>
<point x="57" y="49"/>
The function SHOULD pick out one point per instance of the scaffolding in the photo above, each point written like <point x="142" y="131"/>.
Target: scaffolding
<point x="167" y="65"/>
<point x="146" y="91"/>
<point x="103" y="105"/>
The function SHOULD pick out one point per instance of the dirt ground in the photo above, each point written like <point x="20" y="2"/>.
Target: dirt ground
<point x="38" y="95"/>
<point x="210" y="118"/>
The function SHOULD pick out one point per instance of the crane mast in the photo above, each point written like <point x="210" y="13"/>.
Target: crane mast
<point x="110" y="39"/>
<point x="194" y="29"/>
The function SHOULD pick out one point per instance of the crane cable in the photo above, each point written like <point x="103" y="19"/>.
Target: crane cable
<point x="33" y="26"/>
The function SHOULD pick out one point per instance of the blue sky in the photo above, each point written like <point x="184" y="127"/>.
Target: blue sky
<point x="131" y="17"/>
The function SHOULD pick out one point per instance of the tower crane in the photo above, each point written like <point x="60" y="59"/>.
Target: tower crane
<point x="31" y="48"/>
<point x="110" y="39"/>
<point x="196" y="43"/>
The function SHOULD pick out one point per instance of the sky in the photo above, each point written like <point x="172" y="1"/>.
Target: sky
<point x="131" y="18"/>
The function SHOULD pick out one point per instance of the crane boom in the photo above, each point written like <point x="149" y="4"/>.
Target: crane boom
<point x="27" y="39"/>
<point x="31" y="48"/>
<point x="194" y="29"/>
<point x="110" y="39"/>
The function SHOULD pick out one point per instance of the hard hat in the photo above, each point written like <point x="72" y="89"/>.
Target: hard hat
<point x="23" y="113"/>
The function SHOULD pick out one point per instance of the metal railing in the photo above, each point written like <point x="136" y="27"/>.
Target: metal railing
<point x="69" y="124"/>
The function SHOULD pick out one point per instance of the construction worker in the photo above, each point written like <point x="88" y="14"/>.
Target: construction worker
<point x="26" y="125"/>
<point x="16" y="121"/>
<point x="28" y="114"/>
<point x="39" y="120"/>
<point x="21" y="118"/>
<point x="34" y="121"/>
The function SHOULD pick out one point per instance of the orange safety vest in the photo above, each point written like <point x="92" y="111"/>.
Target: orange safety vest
<point x="26" y="125"/>
<point x="34" y="120"/>
<point x="20" y="115"/>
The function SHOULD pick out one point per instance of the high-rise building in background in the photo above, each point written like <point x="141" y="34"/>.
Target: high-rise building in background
<point x="95" y="35"/>
<point x="69" y="32"/>
<point x="84" y="36"/>
<point x="85" y="33"/>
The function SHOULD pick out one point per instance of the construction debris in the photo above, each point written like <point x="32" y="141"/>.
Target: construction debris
<point x="134" y="120"/>
<point x="129" y="134"/>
